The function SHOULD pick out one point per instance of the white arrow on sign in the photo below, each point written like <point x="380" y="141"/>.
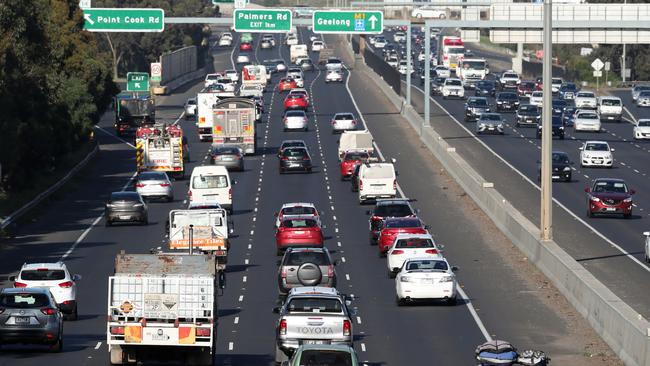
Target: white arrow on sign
<point x="373" y="20"/>
<point x="87" y="17"/>
<point x="597" y="64"/>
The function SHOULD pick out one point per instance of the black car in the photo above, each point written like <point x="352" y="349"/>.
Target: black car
<point x="295" y="158"/>
<point x="271" y="65"/>
<point x="507" y="101"/>
<point x="528" y="114"/>
<point x="485" y="88"/>
<point x="474" y="107"/>
<point x="125" y="207"/>
<point x="558" y="106"/>
<point x="561" y="167"/>
<point x="558" y="127"/>
<point x="306" y="64"/>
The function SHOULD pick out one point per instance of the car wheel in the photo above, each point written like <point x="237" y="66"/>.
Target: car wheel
<point x="382" y="254"/>
<point x="170" y="198"/>
<point x="590" y="213"/>
<point x="627" y="216"/>
<point x="145" y="222"/>
<point x="74" y="316"/>
<point x="452" y="301"/>
<point x="647" y="258"/>
<point x="108" y="223"/>
<point x="57" y="347"/>
<point x="561" y="137"/>
<point x="568" y="179"/>
<point x="391" y="274"/>
<point x="399" y="302"/>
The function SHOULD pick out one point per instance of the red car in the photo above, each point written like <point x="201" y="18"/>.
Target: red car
<point x="298" y="231"/>
<point x="609" y="196"/>
<point x="526" y="88"/>
<point x="384" y="208"/>
<point x="350" y="160"/>
<point x="287" y="84"/>
<point x="398" y="225"/>
<point x="539" y="83"/>
<point x="296" y="101"/>
<point x="245" y="46"/>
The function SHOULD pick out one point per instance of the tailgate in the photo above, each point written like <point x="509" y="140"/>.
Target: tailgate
<point x="378" y="185"/>
<point x="315" y="326"/>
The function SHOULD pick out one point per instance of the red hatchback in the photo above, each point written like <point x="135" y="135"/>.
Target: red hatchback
<point x="526" y="88"/>
<point x="350" y="160"/>
<point x="287" y="84"/>
<point x="245" y="46"/>
<point x="298" y="231"/>
<point x="296" y="101"/>
<point x="609" y="196"/>
<point x="398" y="225"/>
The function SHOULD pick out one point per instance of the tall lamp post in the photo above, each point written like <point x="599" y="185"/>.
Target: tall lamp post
<point x="547" y="128"/>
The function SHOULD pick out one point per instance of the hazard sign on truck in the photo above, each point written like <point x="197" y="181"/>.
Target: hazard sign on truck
<point x="160" y="148"/>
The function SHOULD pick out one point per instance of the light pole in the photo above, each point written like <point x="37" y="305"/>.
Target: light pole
<point x="623" y="68"/>
<point x="547" y="127"/>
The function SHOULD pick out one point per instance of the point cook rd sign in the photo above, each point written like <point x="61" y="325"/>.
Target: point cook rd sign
<point x="124" y="20"/>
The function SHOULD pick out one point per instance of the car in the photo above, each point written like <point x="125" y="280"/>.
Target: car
<point x="306" y="267"/>
<point x="380" y="42"/>
<point x="442" y="71"/>
<point x="209" y="184"/>
<point x="586" y="120"/>
<point x="528" y="115"/>
<point x="556" y="83"/>
<point x="292" y="40"/>
<point x="399" y="37"/>
<point x="637" y="89"/>
<point x="561" y="167"/>
<point x="568" y="91"/>
<point x="190" y="108"/>
<point x="343" y="121"/>
<point x="246" y="37"/>
<point x="385" y="208"/>
<point x="270" y="38"/>
<point x="231" y="157"/>
<point x="609" y="196"/>
<point x="293" y="72"/>
<point x="392" y="61"/>
<point x="306" y="64"/>
<point x="509" y="80"/>
<point x="643" y="100"/>
<point x="403" y="68"/>
<point x="333" y="63"/>
<point x="57" y="279"/>
<point x="490" y="122"/>
<point x="295" y="158"/>
<point x="245" y="46"/>
<point x="453" y="87"/>
<point x="586" y="100"/>
<point x="297" y="209"/>
<point x="252" y="90"/>
<point x="351" y="159"/>
<point x="537" y="98"/>
<point x="265" y="44"/>
<point x="407" y="246"/>
<point x="429" y="12"/>
<point x="291" y="143"/>
<point x="596" y="153"/>
<point x="296" y="101"/>
<point x="154" y="185"/>
<point x="558" y="106"/>
<point x="334" y="76"/>
<point x="227" y="83"/>
<point x="298" y="231"/>
<point x="610" y="108"/>
<point x="474" y="107"/>
<point x="317" y="46"/>
<point x="125" y="207"/>
<point x="568" y="116"/>
<point x="243" y="59"/>
<point x="295" y="120"/>
<point x="224" y="42"/>
<point x="539" y="83"/>
<point x="641" y="130"/>
<point x="286" y="84"/>
<point x="426" y="279"/>
<point x="526" y="88"/>
<point x="210" y="79"/>
<point x="436" y="85"/>
<point x="392" y="226"/>
<point x="324" y="354"/>
<point x="30" y="316"/>
<point x="647" y="246"/>
<point x="557" y="126"/>
<point x="507" y="101"/>
<point x="485" y="88"/>
<point x="232" y="74"/>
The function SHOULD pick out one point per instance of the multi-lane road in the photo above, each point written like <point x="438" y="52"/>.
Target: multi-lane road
<point x="505" y="297"/>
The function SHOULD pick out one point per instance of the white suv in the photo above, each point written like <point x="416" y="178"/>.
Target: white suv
<point x="429" y="12"/>
<point x="56" y="278"/>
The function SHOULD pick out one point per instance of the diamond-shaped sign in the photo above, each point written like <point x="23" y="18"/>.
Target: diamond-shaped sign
<point x="597" y="64"/>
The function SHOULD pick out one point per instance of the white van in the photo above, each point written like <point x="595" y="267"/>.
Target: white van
<point x="377" y="180"/>
<point x="211" y="184"/>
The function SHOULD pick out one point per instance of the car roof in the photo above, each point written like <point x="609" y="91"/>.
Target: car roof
<point x="313" y="290"/>
<point x="51" y="265"/>
<point x="595" y="142"/>
<point x="298" y="204"/>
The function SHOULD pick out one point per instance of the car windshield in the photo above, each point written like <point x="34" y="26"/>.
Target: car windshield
<point x="393" y="210"/>
<point x="212" y="77"/>
<point x="596" y="146"/>
<point x="528" y="109"/>
<point x="427" y="265"/>
<point x="343" y="116"/>
<point x="507" y="96"/>
<point x="610" y="102"/>
<point x="558" y="103"/>
<point x="585" y="95"/>
<point x="556" y="81"/>
<point x="295" y="114"/>
<point x="588" y="116"/>
<point x="325" y="358"/>
<point x="210" y="181"/>
<point x="642" y="87"/>
<point x="360" y="155"/>
<point x="560" y="158"/>
<point x="453" y="82"/>
<point x="527" y="85"/>
<point x="610" y="186"/>
<point x="645" y="94"/>
<point x="191" y="101"/>
<point x="403" y="223"/>
<point x="225" y="151"/>
<point x="23" y="301"/>
<point x="510" y="76"/>
<point x="478" y="102"/>
<point x="42" y="275"/>
<point x="315" y="305"/>
<point x="152" y="176"/>
<point x="299" y="210"/>
<point x="644" y="123"/>
<point x="413" y="243"/>
<point x="490" y="117"/>
<point x="297" y="258"/>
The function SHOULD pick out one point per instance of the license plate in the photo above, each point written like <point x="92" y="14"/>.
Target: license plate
<point x="611" y="209"/>
<point x="427" y="280"/>
<point x="227" y="158"/>
<point x="299" y="232"/>
<point x="294" y="165"/>
<point x="21" y="320"/>
<point x="125" y="217"/>
<point x="315" y="341"/>
<point x="556" y="177"/>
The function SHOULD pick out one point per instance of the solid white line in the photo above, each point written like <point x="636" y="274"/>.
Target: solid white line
<point x="363" y="347"/>
<point x="99" y="344"/>
<point x="236" y="320"/>
<point x="231" y="345"/>
<point x="472" y="311"/>
<point x="116" y="137"/>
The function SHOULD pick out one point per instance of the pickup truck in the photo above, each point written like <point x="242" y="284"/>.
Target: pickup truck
<point x="610" y="108"/>
<point x="312" y="315"/>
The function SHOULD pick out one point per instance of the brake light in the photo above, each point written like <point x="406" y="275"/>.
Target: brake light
<point x="283" y="273"/>
<point x="360" y="184"/>
<point x="48" y="311"/>
<point x="347" y="327"/>
<point x="431" y="251"/>
<point x="189" y="194"/>
<point x="230" y="193"/>
<point x="394" y="183"/>
<point x="202" y="332"/>
<point x="20" y="284"/>
<point x="283" y="327"/>
<point x="330" y="271"/>
<point x="354" y="121"/>
<point x="139" y="185"/>
<point x="164" y="185"/>
<point x="284" y="158"/>
<point x="397" y="251"/>
<point x="66" y="284"/>
<point x="117" y="330"/>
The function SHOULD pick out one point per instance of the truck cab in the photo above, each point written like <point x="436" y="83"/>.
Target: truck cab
<point x="133" y="110"/>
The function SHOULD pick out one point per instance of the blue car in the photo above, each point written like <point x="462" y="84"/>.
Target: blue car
<point x="569" y="116"/>
<point x="568" y="91"/>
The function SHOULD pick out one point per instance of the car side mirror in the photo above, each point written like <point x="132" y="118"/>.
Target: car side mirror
<point x="276" y="310"/>
<point x="393" y="160"/>
<point x="76" y="277"/>
<point x="587" y="189"/>
<point x="632" y="191"/>
<point x="455" y="269"/>
<point x="647" y="233"/>
<point x="222" y="280"/>
<point x="580" y="148"/>
<point x="231" y="231"/>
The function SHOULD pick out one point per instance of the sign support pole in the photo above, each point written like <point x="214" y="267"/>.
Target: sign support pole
<point x="409" y="60"/>
<point x="427" y="74"/>
<point x="547" y="127"/>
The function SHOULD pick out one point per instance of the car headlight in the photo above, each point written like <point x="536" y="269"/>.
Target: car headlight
<point x="405" y="279"/>
<point x="587" y="156"/>
<point x="628" y="200"/>
<point x="447" y="279"/>
<point x="561" y="127"/>
<point x="567" y="169"/>
<point x="595" y="199"/>
<point x="481" y="124"/>
<point x="499" y="102"/>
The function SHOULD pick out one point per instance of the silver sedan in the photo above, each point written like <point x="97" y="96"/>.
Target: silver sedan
<point x="151" y="185"/>
<point x="343" y="122"/>
<point x="490" y="122"/>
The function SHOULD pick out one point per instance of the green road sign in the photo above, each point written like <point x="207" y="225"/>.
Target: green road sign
<point x="137" y="81"/>
<point x="262" y="20"/>
<point x="124" y="20"/>
<point x="348" y="21"/>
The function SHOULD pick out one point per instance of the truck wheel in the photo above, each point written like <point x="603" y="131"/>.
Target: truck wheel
<point x="117" y="355"/>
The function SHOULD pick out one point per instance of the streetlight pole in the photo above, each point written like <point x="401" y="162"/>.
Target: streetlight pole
<point x="547" y="127"/>
<point x="623" y="71"/>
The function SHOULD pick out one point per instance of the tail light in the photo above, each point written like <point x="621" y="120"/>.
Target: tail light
<point x="394" y="183"/>
<point x="360" y="184"/>
<point x="333" y="122"/>
<point x="354" y="121"/>
<point x="189" y="195"/>
<point x="330" y="271"/>
<point x="397" y="251"/>
<point x="48" y="311"/>
<point x="347" y="327"/>
<point x="283" y="327"/>
<point x="164" y="185"/>
<point x="284" y="158"/>
<point x="66" y="284"/>
<point x="117" y="330"/>
<point x="202" y="332"/>
<point x="139" y="185"/>
<point x="20" y="284"/>
<point x="445" y="57"/>
<point x="431" y="251"/>
<point x="230" y="193"/>
<point x="283" y="273"/>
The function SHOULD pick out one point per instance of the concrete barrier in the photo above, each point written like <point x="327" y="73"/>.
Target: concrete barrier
<point x="626" y="332"/>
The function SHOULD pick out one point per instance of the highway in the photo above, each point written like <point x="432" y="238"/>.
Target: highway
<point x="611" y="248"/>
<point x="506" y="297"/>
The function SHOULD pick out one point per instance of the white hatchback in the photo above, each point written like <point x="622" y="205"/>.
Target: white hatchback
<point x="56" y="278"/>
<point x="641" y="129"/>
<point x="407" y="246"/>
<point x="343" y="122"/>
<point x="426" y="279"/>
<point x="587" y="121"/>
<point x="596" y="153"/>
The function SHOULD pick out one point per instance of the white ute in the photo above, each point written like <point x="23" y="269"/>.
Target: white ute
<point x="610" y="108"/>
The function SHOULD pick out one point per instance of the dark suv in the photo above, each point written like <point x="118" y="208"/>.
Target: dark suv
<point x="558" y="127"/>
<point x="507" y="101"/>
<point x="306" y="267"/>
<point x="528" y="114"/>
<point x="474" y="107"/>
<point x="561" y="169"/>
<point x="295" y="158"/>
<point x="385" y="208"/>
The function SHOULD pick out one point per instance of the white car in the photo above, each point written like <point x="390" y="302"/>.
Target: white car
<point x="429" y="12"/>
<point x="442" y="71"/>
<point x="586" y="100"/>
<point x="537" y="98"/>
<point x="403" y="66"/>
<point x="426" y="279"/>
<point x="210" y="79"/>
<point x="293" y="72"/>
<point x="56" y="278"/>
<point x="399" y="37"/>
<point x="295" y="119"/>
<point x="297" y="209"/>
<point x="190" y="108"/>
<point x="643" y="99"/>
<point x="596" y="153"/>
<point x="641" y="129"/>
<point x="380" y="42"/>
<point x="243" y="59"/>
<point x="224" y="42"/>
<point x="292" y="40"/>
<point x="333" y="63"/>
<point x="407" y="246"/>
<point x="638" y="89"/>
<point x="556" y="84"/>
<point x="509" y="79"/>
<point x="647" y="246"/>
<point x="587" y="121"/>
<point x="232" y="75"/>
<point x="300" y="81"/>
<point x="453" y="87"/>
<point x="228" y="84"/>
<point x="334" y="76"/>
<point x="317" y="46"/>
<point x="343" y="122"/>
<point x="393" y="61"/>
<point x="226" y="35"/>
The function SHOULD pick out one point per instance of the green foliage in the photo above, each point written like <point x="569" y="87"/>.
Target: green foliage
<point x="54" y="85"/>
